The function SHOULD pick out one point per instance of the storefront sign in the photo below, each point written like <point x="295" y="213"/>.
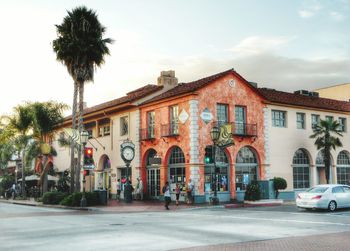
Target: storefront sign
<point x="206" y="115"/>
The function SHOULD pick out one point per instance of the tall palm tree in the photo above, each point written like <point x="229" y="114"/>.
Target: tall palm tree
<point x="80" y="46"/>
<point x="323" y="132"/>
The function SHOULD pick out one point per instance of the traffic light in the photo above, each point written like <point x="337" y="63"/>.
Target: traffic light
<point x="208" y="157"/>
<point x="88" y="159"/>
<point x="86" y="172"/>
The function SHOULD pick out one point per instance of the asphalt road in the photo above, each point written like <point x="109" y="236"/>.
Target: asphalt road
<point x="36" y="228"/>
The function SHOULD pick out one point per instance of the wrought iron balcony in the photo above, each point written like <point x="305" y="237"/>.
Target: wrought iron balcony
<point x="147" y="134"/>
<point x="170" y="130"/>
<point x="240" y="129"/>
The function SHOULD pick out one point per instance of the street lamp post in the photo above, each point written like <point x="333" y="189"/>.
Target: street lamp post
<point x="84" y="137"/>
<point x="215" y="134"/>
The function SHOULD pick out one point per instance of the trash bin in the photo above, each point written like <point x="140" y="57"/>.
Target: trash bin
<point x="102" y="196"/>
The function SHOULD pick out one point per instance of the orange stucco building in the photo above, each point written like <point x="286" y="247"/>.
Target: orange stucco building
<point x="175" y="137"/>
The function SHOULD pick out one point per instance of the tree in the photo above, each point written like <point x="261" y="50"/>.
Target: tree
<point x="323" y="132"/>
<point x="80" y="46"/>
<point x="21" y="123"/>
<point x="279" y="184"/>
<point x="45" y="116"/>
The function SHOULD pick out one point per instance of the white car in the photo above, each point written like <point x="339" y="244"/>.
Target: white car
<point x="331" y="197"/>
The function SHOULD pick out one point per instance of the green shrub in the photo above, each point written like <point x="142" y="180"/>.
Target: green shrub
<point x="6" y="183"/>
<point x="252" y="192"/>
<point x="53" y="198"/>
<point x="279" y="184"/>
<point x="74" y="199"/>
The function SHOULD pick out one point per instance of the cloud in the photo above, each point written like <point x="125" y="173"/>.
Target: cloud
<point x="306" y="13"/>
<point x="270" y="70"/>
<point x="256" y="45"/>
<point x="310" y="9"/>
<point x="336" y="16"/>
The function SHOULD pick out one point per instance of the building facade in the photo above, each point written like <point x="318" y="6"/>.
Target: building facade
<point x="170" y="125"/>
<point x="175" y="137"/>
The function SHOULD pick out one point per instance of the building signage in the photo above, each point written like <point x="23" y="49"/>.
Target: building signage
<point x="226" y="136"/>
<point x="206" y="115"/>
<point x="183" y="116"/>
<point x="155" y="161"/>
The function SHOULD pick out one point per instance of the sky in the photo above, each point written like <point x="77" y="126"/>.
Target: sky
<point x="286" y="45"/>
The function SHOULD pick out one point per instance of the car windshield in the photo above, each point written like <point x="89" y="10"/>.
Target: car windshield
<point x="317" y="190"/>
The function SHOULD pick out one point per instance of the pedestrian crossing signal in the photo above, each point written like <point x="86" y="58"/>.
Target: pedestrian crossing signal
<point x="88" y="158"/>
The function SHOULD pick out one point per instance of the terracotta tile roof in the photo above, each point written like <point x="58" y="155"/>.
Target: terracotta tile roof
<point x="288" y="98"/>
<point x="130" y="97"/>
<point x="183" y="88"/>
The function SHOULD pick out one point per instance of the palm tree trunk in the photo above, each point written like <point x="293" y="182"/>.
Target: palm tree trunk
<point x="24" y="195"/>
<point x="327" y="162"/>
<point x="72" y="145"/>
<point x="80" y="128"/>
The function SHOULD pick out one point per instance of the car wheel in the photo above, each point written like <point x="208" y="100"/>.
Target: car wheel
<point x="332" y="206"/>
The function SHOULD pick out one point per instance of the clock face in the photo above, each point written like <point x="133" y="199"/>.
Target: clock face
<point x="128" y="153"/>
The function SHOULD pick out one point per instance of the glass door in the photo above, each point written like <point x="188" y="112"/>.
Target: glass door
<point x="153" y="182"/>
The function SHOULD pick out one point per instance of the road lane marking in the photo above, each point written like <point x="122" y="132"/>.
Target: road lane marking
<point x="276" y="220"/>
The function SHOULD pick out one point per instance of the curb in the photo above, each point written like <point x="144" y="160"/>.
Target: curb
<point x="47" y="206"/>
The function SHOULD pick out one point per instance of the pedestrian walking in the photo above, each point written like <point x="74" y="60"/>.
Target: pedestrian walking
<point x="119" y="186"/>
<point x="177" y="192"/>
<point x="166" y="192"/>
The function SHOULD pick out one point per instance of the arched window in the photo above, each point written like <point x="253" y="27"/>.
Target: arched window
<point x="301" y="169"/>
<point x="150" y="155"/>
<point x="177" y="171"/>
<point x="246" y="168"/>
<point x="176" y="156"/>
<point x="222" y="166"/>
<point x="343" y="168"/>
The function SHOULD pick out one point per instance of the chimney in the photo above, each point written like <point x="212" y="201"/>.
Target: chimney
<point x="167" y="78"/>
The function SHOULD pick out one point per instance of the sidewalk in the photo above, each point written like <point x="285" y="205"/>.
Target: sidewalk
<point x="116" y="206"/>
<point x="137" y="206"/>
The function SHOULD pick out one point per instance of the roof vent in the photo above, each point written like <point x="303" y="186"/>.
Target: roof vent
<point x="302" y="92"/>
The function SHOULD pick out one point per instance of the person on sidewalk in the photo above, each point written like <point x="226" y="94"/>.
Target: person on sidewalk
<point x="190" y="191"/>
<point x="140" y="188"/>
<point x="166" y="192"/>
<point x="119" y="185"/>
<point x="177" y="192"/>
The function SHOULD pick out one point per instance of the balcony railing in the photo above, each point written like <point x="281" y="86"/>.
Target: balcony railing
<point x="147" y="134"/>
<point x="241" y="129"/>
<point x="170" y="130"/>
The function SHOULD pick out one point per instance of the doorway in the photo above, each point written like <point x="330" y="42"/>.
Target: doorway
<point x="153" y="182"/>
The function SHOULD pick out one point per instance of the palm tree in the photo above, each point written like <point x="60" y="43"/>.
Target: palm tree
<point x="80" y="46"/>
<point x="46" y="115"/>
<point x="325" y="140"/>
<point x="21" y="123"/>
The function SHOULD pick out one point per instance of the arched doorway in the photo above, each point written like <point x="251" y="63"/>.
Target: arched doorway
<point x="343" y="168"/>
<point x="301" y="169"/>
<point x="103" y="178"/>
<point x="222" y="171"/>
<point x="153" y="175"/>
<point x="246" y="169"/>
<point x="321" y="170"/>
<point x="176" y="170"/>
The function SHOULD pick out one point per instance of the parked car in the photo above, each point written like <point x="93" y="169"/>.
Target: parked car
<point x="331" y="197"/>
